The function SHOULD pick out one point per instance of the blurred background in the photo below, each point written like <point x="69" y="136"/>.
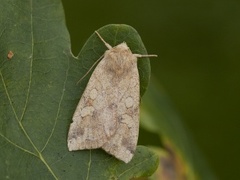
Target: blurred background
<point x="198" y="64"/>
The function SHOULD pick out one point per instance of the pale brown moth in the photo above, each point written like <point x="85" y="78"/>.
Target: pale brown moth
<point x="107" y="115"/>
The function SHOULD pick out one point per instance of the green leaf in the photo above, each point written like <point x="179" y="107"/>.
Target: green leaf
<point x="39" y="93"/>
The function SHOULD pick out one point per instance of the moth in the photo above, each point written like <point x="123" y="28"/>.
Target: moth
<point x="107" y="115"/>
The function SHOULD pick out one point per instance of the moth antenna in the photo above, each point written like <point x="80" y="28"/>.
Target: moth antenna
<point x="90" y="69"/>
<point x="148" y="55"/>
<point x="106" y="44"/>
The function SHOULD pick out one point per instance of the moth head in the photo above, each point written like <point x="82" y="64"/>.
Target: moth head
<point x="122" y="47"/>
<point x="121" y="52"/>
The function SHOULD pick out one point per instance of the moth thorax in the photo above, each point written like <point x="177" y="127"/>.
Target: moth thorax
<point x="119" y="63"/>
<point x="120" y="59"/>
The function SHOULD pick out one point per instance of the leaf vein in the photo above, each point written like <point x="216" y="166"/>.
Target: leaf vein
<point x="89" y="164"/>
<point x="31" y="66"/>
<point x="19" y="147"/>
<point x="24" y="131"/>
<point x="59" y="105"/>
<point x="8" y="96"/>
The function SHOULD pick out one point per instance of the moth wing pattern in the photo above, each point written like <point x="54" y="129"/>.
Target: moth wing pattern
<point x="107" y="115"/>
<point x="93" y="124"/>
<point x="123" y="143"/>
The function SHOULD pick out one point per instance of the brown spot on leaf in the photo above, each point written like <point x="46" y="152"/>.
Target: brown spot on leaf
<point x="10" y="55"/>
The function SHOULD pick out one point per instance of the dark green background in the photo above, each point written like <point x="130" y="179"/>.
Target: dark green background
<point x="198" y="44"/>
